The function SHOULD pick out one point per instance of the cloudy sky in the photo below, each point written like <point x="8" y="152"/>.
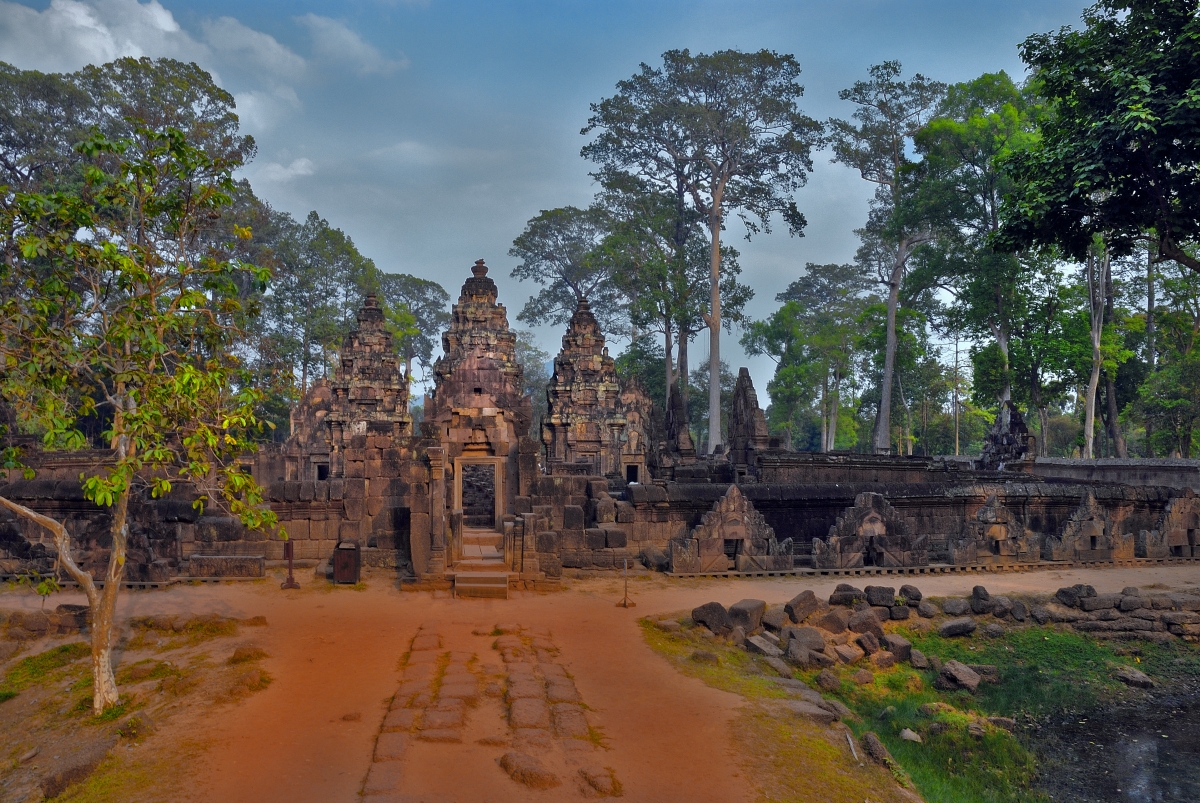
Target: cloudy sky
<point x="431" y="131"/>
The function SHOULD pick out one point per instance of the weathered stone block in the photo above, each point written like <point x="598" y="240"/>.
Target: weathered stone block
<point x="226" y="566"/>
<point x="595" y="538"/>
<point x="801" y="606"/>
<point x="573" y="518"/>
<point x="747" y="613"/>
<point x="615" y="539"/>
<point x="547" y="541"/>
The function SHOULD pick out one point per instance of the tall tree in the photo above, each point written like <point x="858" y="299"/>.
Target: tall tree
<point x="1116" y="152"/>
<point x="559" y="251"/>
<point x="890" y="113"/>
<point x="426" y="307"/>
<point x="814" y="340"/>
<point x="320" y="281"/>
<point x="109" y="300"/>
<point x="723" y="130"/>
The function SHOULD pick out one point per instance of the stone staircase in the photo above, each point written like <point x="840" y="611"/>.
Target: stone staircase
<point x="481" y="572"/>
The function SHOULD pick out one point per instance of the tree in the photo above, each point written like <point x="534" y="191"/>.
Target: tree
<point x="535" y="378"/>
<point x="722" y="130"/>
<point x="320" y="282"/>
<point x="890" y="112"/>
<point x="977" y="123"/>
<point x="41" y="118"/>
<point x="814" y="339"/>
<point x="419" y="310"/>
<point x="1117" y="150"/>
<point x="559" y="250"/>
<point x="107" y="293"/>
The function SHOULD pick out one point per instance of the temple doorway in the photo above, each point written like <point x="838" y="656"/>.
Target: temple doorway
<point x="479" y="495"/>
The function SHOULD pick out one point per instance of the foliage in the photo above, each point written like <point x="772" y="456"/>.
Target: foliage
<point x="418" y="311"/>
<point x="1124" y="123"/>
<point x="719" y="132"/>
<point x="42" y="585"/>
<point x="535" y="378"/>
<point x="35" y="668"/>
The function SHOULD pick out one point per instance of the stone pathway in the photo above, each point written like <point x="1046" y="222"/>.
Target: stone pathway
<point x="487" y="713"/>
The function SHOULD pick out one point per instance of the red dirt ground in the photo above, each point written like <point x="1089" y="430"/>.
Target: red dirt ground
<point x="335" y="652"/>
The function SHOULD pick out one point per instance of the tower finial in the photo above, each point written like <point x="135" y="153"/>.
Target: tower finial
<point x="479" y="269"/>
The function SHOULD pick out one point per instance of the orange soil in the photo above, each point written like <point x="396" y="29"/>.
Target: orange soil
<point x="338" y="652"/>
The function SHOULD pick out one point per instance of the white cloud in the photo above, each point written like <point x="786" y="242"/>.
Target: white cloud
<point x="69" y="34"/>
<point x="333" y="41"/>
<point x="252" y="49"/>
<point x="261" y="111"/>
<point x="273" y="171"/>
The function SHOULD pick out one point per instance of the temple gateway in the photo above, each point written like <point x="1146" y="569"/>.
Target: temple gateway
<point x="472" y="496"/>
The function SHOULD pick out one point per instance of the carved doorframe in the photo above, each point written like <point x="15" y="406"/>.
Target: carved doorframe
<point x="498" y="464"/>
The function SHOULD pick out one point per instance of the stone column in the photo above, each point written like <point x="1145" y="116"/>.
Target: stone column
<point x="437" y="511"/>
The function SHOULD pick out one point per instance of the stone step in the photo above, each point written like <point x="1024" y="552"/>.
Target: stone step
<point x="492" y="585"/>
<point x="481" y="551"/>
<point x="478" y="565"/>
<point x="483" y="539"/>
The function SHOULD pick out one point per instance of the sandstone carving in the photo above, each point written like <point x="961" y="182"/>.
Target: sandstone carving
<point x="869" y="533"/>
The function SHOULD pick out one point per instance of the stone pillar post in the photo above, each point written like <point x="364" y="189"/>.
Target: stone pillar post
<point x="437" y="511"/>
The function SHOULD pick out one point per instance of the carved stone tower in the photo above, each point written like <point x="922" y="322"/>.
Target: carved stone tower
<point x="582" y="427"/>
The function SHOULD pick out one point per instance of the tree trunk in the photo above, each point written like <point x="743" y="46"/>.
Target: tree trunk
<point x="825" y="414"/>
<point x="714" y="330"/>
<point x="1002" y="344"/>
<point x="102" y="603"/>
<point x="1110" y="389"/>
<point x="1151" y="356"/>
<point x="681" y="374"/>
<point x="882" y="437"/>
<point x="1095" y="285"/>
<point x="955" y="401"/>
<point x="668" y="347"/>
<point x="834" y="412"/>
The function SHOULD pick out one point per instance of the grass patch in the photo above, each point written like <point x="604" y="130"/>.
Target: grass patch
<point x="38" y="667"/>
<point x="731" y="673"/>
<point x="6" y="695"/>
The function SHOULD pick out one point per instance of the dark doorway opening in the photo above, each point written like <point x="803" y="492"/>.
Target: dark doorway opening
<point x="479" y="495"/>
<point x="322" y="471"/>
<point x="631" y="473"/>
<point x="732" y="546"/>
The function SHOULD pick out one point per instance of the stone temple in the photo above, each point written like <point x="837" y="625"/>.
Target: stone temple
<point x="473" y="497"/>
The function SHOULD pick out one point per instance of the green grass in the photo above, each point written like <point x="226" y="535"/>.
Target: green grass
<point x="6" y="695"/>
<point x="38" y="667"/>
<point x="1042" y="671"/>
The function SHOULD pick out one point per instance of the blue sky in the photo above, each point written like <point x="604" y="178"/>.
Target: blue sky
<point x="432" y="131"/>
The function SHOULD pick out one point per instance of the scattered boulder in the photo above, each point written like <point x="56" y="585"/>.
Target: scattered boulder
<point x="713" y="616"/>
<point x="863" y="677"/>
<point x="955" y="675"/>
<point x="956" y="607"/>
<point x="808" y="637"/>
<point x="601" y="779"/>
<point x="1099" y="602"/>
<point x="668" y="625"/>
<point x="73" y="767"/>
<point x="868" y="643"/>
<point x="779" y="665"/>
<point x="912" y="594"/>
<point x="900" y="612"/>
<point x="828" y="681"/>
<point x="993" y="630"/>
<point x="981" y="601"/>
<point x="845" y="594"/>
<point x="909" y="735"/>
<point x="918" y="659"/>
<point x="776" y="618"/>
<point x="737" y="636"/>
<point x="1039" y="614"/>
<point x="1020" y="611"/>
<point x="989" y="673"/>
<point x="875" y="749"/>
<point x="865" y="622"/>
<point x="525" y="769"/>
<point x="963" y="626"/>
<point x="801" y="606"/>
<point x="926" y="610"/>
<point x="848" y="653"/>
<point x="747" y="614"/>
<point x="883" y="660"/>
<point x="817" y="713"/>
<point x="1001" y="607"/>
<point x="1131" y="602"/>
<point x="761" y="646"/>
<point x="882" y="596"/>
<point x="1067" y="596"/>
<point x="835" y="621"/>
<point x="705" y="657"/>
<point x="1007" y="723"/>
<point x="1134" y="677"/>
<point x="975" y="729"/>
<point x="898" y="646"/>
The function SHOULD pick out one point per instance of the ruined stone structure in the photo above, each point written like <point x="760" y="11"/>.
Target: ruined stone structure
<point x="733" y="535"/>
<point x="468" y="494"/>
<point x="583" y="423"/>
<point x="870" y="534"/>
